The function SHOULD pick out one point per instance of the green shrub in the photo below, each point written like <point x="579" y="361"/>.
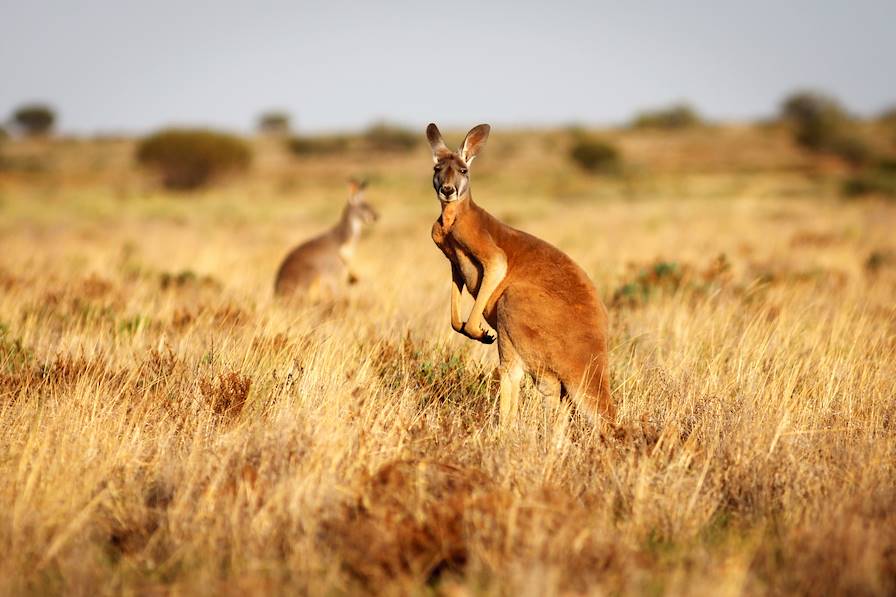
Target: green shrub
<point x="887" y="166"/>
<point x="383" y="136"/>
<point x="678" y="116"/>
<point x="189" y="158"/>
<point x="662" y="277"/>
<point x="323" y="145"/>
<point x="820" y="124"/>
<point x="274" y="123"/>
<point x="852" y="148"/>
<point x="817" y="120"/>
<point x="34" y="119"/>
<point x="658" y="276"/>
<point x="802" y="106"/>
<point x="879" y="260"/>
<point x="14" y="355"/>
<point x="595" y="155"/>
<point x="879" y="180"/>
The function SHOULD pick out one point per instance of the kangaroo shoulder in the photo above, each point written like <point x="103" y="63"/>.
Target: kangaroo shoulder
<point x="439" y="233"/>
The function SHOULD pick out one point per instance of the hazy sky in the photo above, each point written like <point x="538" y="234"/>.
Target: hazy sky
<point x="115" y="65"/>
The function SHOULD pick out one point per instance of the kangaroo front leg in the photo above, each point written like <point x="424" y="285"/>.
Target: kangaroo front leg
<point x="457" y="288"/>
<point x="493" y="273"/>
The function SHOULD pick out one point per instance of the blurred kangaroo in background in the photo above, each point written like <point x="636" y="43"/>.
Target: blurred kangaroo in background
<point x="322" y="265"/>
<point x="547" y="314"/>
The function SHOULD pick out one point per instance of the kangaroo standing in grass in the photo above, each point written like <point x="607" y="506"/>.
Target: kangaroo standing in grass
<point x="548" y="318"/>
<point x="322" y="265"/>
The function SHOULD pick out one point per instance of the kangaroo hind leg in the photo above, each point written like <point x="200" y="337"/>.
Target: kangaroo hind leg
<point x="590" y="392"/>
<point x="549" y="386"/>
<point x="511" y="369"/>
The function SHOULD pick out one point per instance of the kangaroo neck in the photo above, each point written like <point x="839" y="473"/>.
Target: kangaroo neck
<point x="348" y="229"/>
<point x="452" y="210"/>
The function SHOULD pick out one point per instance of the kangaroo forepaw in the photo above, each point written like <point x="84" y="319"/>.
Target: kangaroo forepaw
<point x="486" y="336"/>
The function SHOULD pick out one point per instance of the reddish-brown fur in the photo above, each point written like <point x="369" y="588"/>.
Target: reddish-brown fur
<point x="548" y="317"/>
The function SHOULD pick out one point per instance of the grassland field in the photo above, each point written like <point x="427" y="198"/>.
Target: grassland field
<point x="167" y="426"/>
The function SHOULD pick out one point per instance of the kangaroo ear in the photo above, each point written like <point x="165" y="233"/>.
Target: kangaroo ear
<point x="355" y="187"/>
<point x="474" y="142"/>
<point x="436" y="142"/>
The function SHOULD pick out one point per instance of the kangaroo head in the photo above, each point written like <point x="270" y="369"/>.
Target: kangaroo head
<point x="451" y="174"/>
<point x="357" y="210"/>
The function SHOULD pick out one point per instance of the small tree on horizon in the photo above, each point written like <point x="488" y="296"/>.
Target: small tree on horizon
<point x="817" y="118"/>
<point x="34" y="119"/>
<point x="274" y="122"/>
<point x="676" y="116"/>
<point x="822" y="125"/>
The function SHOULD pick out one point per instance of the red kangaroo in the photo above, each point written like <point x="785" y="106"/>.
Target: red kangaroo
<point x="540" y="306"/>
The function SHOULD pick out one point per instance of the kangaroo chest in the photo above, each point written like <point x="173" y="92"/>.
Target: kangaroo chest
<point x="347" y="252"/>
<point x="469" y="268"/>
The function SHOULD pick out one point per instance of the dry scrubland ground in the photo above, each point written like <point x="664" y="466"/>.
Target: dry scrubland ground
<point x="164" y="423"/>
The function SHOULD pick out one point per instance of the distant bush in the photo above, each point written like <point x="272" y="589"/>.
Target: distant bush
<point x="879" y="260"/>
<point x="817" y="120"/>
<point x="879" y="180"/>
<point x="806" y="106"/>
<point x="34" y="119"/>
<point x="821" y="124"/>
<point x="888" y="117"/>
<point x="595" y="155"/>
<point x="274" y="123"/>
<point x="188" y="159"/>
<point x="678" y="116"/>
<point x="383" y="136"/>
<point x="852" y="148"/>
<point x="3" y="134"/>
<point x="323" y="145"/>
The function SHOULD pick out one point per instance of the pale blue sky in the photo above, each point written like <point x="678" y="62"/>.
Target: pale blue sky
<point x="114" y="65"/>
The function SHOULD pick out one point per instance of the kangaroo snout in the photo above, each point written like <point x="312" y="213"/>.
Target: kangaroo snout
<point x="447" y="190"/>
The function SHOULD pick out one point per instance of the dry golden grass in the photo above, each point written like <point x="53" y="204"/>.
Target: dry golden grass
<point x="166" y="425"/>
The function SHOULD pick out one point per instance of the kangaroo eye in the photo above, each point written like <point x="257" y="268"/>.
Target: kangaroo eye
<point x="463" y="171"/>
